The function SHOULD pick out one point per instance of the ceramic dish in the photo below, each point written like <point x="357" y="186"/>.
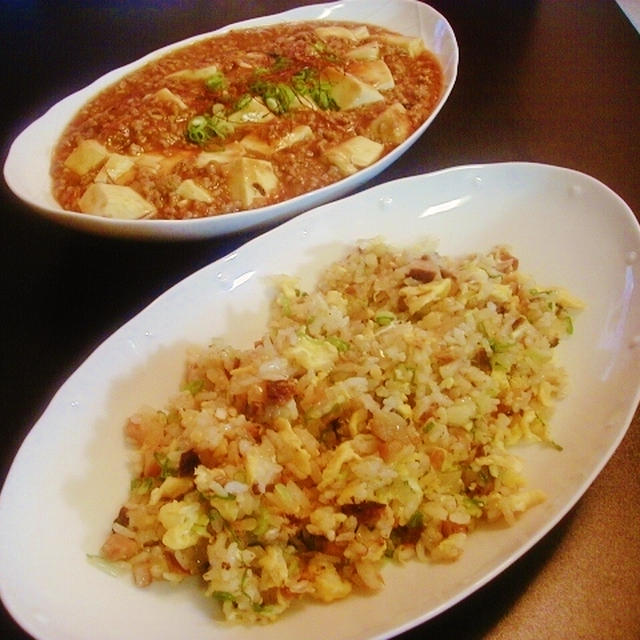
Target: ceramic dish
<point x="27" y="167"/>
<point x="70" y="475"/>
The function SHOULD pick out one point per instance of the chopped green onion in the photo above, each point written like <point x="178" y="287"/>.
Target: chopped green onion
<point x="430" y="425"/>
<point x="166" y="469"/>
<point x="279" y="62"/>
<point x="473" y="506"/>
<point x="384" y="318"/>
<point x="307" y="83"/>
<point x="302" y="79"/>
<point x="197" y="129"/>
<point x="278" y="97"/>
<point x="320" y="94"/>
<point x="338" y="343"/>
<point x="216" y="81"/>
<point x="242" y="102"/>
<point x="229" y="496"/>
<point x="285" y="304"/>
<point x="141" y="485"/>
<point x="569" y="325"/>
<point x="416" y="520"/>
<point x="194" y="386"/>
<point x="500" y="347"/>
<point x="320" y="48"/>
<point x="202" y="128"/>
<point x="540" y="292"/>
<point x="224" y="596"/>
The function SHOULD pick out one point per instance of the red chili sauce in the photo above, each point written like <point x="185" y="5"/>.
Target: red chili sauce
<point x="245" y="119"/>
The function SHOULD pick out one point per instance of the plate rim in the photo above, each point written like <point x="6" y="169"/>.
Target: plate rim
<point x="630" y="219"/>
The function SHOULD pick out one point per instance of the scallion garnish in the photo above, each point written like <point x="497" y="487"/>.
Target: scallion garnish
<point x="203" y="128"/>
<point x="216" y="81"/>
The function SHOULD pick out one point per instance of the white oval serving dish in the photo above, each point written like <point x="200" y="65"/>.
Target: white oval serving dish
<point x="70" y="475"/>
<point x="27" y="166"/>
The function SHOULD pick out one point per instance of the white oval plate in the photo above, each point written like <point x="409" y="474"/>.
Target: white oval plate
<point x="70" y="475"/>
<point x="27" y="166"/>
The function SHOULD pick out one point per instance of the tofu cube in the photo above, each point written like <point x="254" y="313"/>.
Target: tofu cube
<point x="411" y="46"/>
<point x="375" y="73"/>
<point x="118" y="169"/>
<point x="166" y="95"/>
<point x="254" y="144"/>
<point x="254" y="111"/>
<point x="150" y="161"/>
<point x="296" y="135"/>
<point x="354" y="154"/>
<point x="227" y="154"/>
<point x="344" y="33"/>
<point x="391" y="126"/>
<point x="348" y="91"/>
<point x="115" y="201"/>
<point x="190" y="190"/>
<point x="367" y="51"/>
<point x="360" y="32"/>
<point x="195" y="74"/>
<point x="86" y="157"/>
<point x="250" y="180"/>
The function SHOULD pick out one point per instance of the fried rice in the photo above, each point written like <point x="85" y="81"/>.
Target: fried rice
<point x="370" y="424"/>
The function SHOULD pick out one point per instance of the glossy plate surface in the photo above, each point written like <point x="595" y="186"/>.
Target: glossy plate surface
<point x="70" y="476"/>
<point x="27" y="167"/>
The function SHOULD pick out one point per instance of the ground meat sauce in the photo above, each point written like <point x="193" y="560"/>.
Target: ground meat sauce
<point x="245" y="119"/>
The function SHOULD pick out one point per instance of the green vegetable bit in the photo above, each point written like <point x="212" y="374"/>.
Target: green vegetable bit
<point x="166" y="469"/>
<point x="278" y="97"/>
<point x="384" y="318"/>
<point x="216" y="82"/>
<point x="141" y="485"/>
<point x="242" y="102"/>
<point x="280" y="62"/>
<point x="307" y="83"/>
<point x="203" y="128"/>
<point x="555" y="445"/>
<point x="193" y="386"/>
<point x="416" y="521"/>
<point x="320" y="49"/>
<point x="338" y="343"/>
<point x="569" y="325"/>
<point x="430" y="425"/>
<point x="224" y="596"/>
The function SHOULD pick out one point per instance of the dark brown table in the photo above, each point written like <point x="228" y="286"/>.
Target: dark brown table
<point x="553" y="81"/>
